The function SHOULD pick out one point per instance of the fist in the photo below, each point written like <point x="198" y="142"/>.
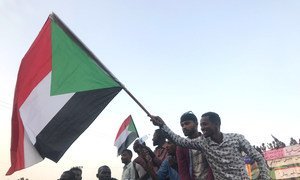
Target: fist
<point x="157" y="121"/>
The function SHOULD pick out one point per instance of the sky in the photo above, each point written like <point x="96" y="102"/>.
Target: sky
<point x="240" y="59"/>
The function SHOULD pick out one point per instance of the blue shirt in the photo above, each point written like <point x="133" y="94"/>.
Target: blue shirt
<point x="166" y="171"/>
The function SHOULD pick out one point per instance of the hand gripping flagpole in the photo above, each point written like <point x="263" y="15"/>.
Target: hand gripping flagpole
<point x="55" y="18"/>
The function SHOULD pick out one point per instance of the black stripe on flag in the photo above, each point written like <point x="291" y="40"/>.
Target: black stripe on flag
<point x="71" y="121"/>
<point x="130" y="138"/>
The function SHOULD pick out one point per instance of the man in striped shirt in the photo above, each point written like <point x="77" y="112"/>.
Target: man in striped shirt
<point x="223" y="151"/>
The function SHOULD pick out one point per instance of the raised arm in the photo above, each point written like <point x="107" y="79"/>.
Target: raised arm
<point x="180" y="141"/>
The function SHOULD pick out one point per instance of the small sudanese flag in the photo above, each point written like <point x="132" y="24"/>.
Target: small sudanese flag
<point x="126" y="135"/>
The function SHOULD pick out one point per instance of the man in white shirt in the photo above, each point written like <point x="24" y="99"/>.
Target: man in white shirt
<point x="131" y="170"/>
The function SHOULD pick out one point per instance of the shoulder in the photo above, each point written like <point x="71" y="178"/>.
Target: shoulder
<point x="180" y="149"/>
<point x="138" y="160"/>
<point x="233" y="135"/>
<point x="137" y="165"/>
<point x="233" y="138"/>
<point x="129" y="165"/>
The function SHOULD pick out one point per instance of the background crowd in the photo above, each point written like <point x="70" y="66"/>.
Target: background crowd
<point x="198" y="156"/>
<point x="275" y="144"/>
<point x="190" y="158"/>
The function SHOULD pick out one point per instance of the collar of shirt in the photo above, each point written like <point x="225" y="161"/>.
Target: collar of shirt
<point x="226" y="138"/>
<point x="127" y="165"/>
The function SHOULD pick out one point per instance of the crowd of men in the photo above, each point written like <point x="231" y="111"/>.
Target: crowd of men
<point x="275" y="144"/>
<point x="208" y="155"/>
<point x="197" y="156"/>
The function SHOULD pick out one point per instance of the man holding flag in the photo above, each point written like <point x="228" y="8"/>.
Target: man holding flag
<point x="223" y="151"/>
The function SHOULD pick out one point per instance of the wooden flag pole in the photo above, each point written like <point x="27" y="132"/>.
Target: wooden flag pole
<point x="125" y="89"/>
<point x="145" y="110"/>
<point x="54" y="17"/>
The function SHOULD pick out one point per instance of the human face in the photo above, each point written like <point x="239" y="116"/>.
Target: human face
<point x="125" y="157"/>
<point x="189" y="128"/>
<point x="171" y="148"/>
<point x="77" y="174"/>
<point x="104" y="174"/>
<point x="137" y="146"/>
<point x="155" y="139"/>
<point x="208" y="128"/>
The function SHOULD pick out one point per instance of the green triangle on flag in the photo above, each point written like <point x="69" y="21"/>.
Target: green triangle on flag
<point x="127" y="133"/>
<point x="57" y="63"/>
<point x="73" y="69"/>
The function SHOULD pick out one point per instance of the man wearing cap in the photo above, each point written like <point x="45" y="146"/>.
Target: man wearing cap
<point x="223" y="151"/>
<point x="192" y="164"/>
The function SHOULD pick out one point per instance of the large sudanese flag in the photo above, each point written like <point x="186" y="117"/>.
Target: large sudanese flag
<point x="61" y="89"/>
<point x="126" y="135"/>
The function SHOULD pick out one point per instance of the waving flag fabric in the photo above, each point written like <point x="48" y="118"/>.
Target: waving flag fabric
<point x="126" y="134"/>
<point x="61" y="88"/>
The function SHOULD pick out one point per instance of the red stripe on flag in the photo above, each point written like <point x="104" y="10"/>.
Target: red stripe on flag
<point x="124" y="126"/>
<point x="17" y="144"/>
<point x="35" y="65"/>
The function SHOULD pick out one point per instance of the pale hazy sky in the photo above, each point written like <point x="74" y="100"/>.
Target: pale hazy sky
<point x="240" y="59"/>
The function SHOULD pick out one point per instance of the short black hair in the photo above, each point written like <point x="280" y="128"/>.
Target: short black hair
<point x="104" y="168"/>
<point x="188" y="116"/>
<point x="161" y="134"/>
<point x="71" y="175"/>
<point x="213" y="118"/>
<point x="128" y="151"/>
<point x="76" y="169"/>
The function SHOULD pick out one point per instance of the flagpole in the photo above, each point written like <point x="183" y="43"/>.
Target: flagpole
<point x="54" y="17"/>
<point x="124" y="88"/>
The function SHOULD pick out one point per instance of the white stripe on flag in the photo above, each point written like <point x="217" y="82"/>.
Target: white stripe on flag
<point x="39" y="108"/>
<point x="122" y="138"/>
<point x="31" y="155"/>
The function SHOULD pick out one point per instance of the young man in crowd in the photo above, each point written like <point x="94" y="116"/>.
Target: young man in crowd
<point x="131" y="170"/>
<point x="67" y="175"/>
<point x="159" y="140"/>
<point x="168" y="170"/>
<point x="169" y="167"/>
<point x="142" y="159"/>
<point x="104" y="173"/>
<point x="223" y="151"/>
<point x="78" y="173"/>
<point x="192" y="164"/>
